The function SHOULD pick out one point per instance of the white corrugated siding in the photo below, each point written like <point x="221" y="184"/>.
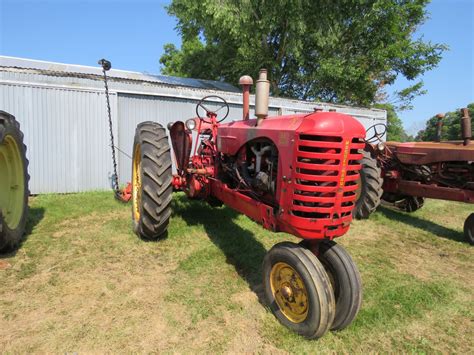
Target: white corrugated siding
<point x="66" y="134"/>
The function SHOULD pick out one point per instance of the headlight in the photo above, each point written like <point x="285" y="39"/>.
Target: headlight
<point x="191" y="124"/>
<point x="381" y="146"/>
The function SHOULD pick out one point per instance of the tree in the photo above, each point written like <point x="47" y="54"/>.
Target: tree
<point x="451" y="129"/>
<point x="395" y="130"/>
<point x="342" y="51"/>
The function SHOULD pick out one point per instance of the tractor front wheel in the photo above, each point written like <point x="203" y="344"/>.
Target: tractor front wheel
<point x="469" y="229"/>
<point x="151" y="181"/>
<point x="410" y="203"/>
<point x="13" y="183"/>
<point x="346" y="282"/>
<point x="298" y="290"/>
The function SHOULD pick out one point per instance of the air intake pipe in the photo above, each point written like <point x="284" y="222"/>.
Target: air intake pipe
<point x="439" y="126"/>
<point x="466" y="131"/>
<point x="246" y="82"/>
<point x="262" y="94"/>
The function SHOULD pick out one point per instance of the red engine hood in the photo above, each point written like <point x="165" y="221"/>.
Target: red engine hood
<point x="281" y="129"/>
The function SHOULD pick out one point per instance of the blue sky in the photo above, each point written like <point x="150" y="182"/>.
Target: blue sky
<point x="132" y="34"/>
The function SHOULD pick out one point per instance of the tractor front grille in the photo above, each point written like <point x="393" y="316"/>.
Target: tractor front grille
<point x="325" y="176"/>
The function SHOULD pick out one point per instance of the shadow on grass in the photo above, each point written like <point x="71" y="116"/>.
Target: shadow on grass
<point x="239" y="246"/>
<point x="35" y="215"/>
<point x="432" y="227"/>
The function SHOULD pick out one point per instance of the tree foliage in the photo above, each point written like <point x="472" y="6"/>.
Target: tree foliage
<point x="395" y="130"/>
<point x="342" y="51"/>
<point x="451" y="129"/>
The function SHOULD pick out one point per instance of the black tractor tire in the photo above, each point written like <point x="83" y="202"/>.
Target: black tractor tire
<point x="346" y="282"/>
<point x="469" y="229"/>
<point x="151" y="181"/>
<point x="14" y="180"/>
<point x="370" y="190"/>
<point x="317" y="313"/>
<point x="410" y="203"/>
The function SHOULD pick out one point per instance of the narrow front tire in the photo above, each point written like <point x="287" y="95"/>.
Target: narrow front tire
<point x="297" y="290"/>
<point x="346" y="282"/>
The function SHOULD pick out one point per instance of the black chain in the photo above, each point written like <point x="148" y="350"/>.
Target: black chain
<point x="115" y="183"/>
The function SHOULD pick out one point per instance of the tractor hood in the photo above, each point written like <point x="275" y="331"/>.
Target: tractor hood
<point x="282" y="129"/>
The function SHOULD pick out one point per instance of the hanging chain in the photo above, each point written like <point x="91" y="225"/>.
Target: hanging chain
<point x="106" y="65"/>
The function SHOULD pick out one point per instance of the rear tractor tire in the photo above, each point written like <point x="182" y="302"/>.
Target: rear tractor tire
<point x="297" y="290"/>
<point x="369" y="191"/>
<point x="151" y="181"/>
<point x="469" y="229"/>
<point x="13" y="183"/>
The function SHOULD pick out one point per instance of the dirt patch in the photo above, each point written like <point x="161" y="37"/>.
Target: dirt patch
<point x="4" y="265"/>
<point x="73" y="313"/>
<point x="247" y="299"/>
<point x="246" y="336"/>
<point x="427" y="262"/>
<point x="427" y="331"/>
<point x="90" y="220"/>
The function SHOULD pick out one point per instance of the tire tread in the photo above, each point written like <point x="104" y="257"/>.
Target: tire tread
<point x="372" y="191"/>
<point x="156" y="180"/>
<point x="10" y="239"/>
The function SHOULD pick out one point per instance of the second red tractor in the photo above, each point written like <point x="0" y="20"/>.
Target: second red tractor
<point x="404" y="174"/>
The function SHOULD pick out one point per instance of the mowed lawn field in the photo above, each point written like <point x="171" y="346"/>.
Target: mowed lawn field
<point x="83" y="282"/>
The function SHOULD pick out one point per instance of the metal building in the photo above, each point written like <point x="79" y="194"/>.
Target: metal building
<point x="62" y="111"/>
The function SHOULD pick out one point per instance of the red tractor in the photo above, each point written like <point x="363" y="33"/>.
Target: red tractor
<point x="296" y="174"/>
<point x="405" y="173"/>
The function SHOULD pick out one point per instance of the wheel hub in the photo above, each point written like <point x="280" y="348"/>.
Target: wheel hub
<point x="289" y="292"/>
<point x="286" y="291"/>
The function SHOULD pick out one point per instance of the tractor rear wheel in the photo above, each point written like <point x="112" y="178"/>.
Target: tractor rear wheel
<point x="469" y="229"/>
<point x="369" y="191"/>
<point x="13" y="183"/>
<point x="151" y="181"/>
<point x="297" y="290"/>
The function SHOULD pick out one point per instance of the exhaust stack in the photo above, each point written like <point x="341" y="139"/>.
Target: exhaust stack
<point x="439" y="126"/>
<point x="246" y="82"/>
<point x="466" y="131"/>
<point x="262" y="94"/>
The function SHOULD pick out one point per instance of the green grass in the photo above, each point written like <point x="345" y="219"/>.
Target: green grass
<point x="82" y="281"/>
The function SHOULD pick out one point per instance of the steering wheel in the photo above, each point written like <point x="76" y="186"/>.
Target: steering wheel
<point x="221" y="104"/>
<point x="378" y="133"/>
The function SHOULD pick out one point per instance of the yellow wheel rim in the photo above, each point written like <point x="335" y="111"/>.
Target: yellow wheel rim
<point x="290" y="292"/>
<point x="136" y="182"/>
<point x="12" y="182"/>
